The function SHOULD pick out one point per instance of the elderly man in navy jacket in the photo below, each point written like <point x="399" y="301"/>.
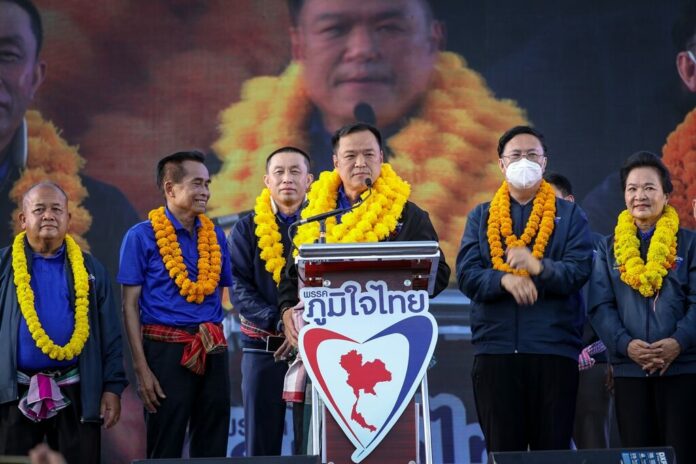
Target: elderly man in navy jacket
<point x="523" y="260"/>
<point x="258" y="245"/>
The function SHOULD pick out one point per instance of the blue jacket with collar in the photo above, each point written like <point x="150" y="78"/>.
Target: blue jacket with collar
<point x="554" y="323"/>
<point x="620" y="314"/>
<point x="254" y="294"/>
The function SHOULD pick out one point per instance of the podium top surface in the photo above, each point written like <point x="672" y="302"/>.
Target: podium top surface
<point x="401" y="250"/>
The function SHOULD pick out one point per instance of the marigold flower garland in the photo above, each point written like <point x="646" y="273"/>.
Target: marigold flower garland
<point x="438" y="151"/>
<point x="646" y="277"/>
<point x="209" y="256"/>
<point x="25" y="298"/>
<point x="372" y="221"/>
<point x="540" y="224"/>
<point x="679" y="154"/>
<point x="49" y="157"/>
<point x="267" y="231"/>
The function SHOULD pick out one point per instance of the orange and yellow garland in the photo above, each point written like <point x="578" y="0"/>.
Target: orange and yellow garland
<point x="662" y="252"/>
<point x="679" y="154"/>
<point x="25" y="298"/>
<point x="540" y="224"/>
<point x="51" y="158"/>
<point x="439" y="151"/>
<point x="209" y="256"/>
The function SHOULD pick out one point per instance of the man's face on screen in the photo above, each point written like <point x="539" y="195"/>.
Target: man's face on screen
<point x="381" y="52"/>
<point x="20" y="71"/>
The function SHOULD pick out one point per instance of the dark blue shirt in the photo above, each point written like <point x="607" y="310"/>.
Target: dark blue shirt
<point x="160" y="301"/>
<point x="54" y="308"/>
<point x="287" y="220"/>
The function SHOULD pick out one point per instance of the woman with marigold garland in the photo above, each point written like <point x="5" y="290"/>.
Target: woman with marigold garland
<point x="642" y="305"/>
<point x="523" y="260"/>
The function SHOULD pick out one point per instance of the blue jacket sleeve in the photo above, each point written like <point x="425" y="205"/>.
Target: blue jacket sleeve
<point x="475" y="276"/>
<point x="685" y="333"/>
<point x="568" y="274"/>
<point x="603" y="311"/>
<point x="113" y="374"/>
<point x="245" y="294"/>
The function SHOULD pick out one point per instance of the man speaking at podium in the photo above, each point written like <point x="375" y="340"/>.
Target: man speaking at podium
<point x="381" y="212"/>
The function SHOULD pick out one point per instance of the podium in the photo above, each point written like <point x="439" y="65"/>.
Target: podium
<point x="366" y="346"/>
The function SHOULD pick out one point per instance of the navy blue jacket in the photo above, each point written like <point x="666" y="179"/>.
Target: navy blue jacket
<point x="553" y="324"/>
<point x="619" y="313"/>
<point x="101" y="362"/>
<point x="254" y="294"/>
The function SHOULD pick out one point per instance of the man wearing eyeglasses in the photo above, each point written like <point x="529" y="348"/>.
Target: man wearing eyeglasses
<point x="523" y="259"/>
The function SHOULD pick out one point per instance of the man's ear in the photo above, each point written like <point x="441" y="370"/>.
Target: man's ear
<point x="438" y="35"/>
<point x="22" y="220"/>
<point x="687" y="70"/>
<point x="38" y="76"/>
<point x="297" y="44"/>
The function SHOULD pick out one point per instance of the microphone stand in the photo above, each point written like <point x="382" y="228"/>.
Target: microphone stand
<point x="322" y="222"/>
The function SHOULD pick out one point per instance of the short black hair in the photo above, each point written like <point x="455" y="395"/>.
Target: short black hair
<point x="514" y="132"/>
<point x="559" y="181"/>
<point x="684" y="29"/>
<point x="646" y="159"/>
<point x="34" y="20"/>
<point x="295" y="8"/>
<point x="352" y="129"/>
<point x="170" y="166"/>
<point x="290" y="149"/>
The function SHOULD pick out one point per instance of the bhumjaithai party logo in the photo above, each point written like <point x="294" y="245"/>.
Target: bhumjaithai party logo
<point x="366" y="351"/>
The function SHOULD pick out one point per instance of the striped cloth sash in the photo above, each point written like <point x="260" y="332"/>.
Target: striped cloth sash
<point x="44" y="398"/>
<point x="209" y="339"/>
<point x="296" y="376"/>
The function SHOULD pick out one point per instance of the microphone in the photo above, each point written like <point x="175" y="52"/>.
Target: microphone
<point x="320" y="217"/>
<point x="363" y="112"/>
<point x="337" y="211"/>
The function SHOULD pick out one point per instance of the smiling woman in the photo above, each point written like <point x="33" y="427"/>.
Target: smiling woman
<point x="641" y="305"/>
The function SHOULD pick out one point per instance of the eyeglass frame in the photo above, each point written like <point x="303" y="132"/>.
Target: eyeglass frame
<point x="518" y="156"/>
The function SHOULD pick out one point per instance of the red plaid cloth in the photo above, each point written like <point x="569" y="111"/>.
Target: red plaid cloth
<point x="209" y="339"/>
<point x="251" y="330"/>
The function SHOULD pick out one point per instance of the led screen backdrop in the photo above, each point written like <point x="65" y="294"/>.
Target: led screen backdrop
<point x="131" y="81"/>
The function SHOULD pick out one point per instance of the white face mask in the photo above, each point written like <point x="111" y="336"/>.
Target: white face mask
<point x="523" y="174"/>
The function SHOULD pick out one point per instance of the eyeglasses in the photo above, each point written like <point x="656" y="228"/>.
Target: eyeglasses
<point x="691" y="55"/>
<point x="530" y="155"/>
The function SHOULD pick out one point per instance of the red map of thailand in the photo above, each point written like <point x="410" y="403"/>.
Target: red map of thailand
<point x="363" y="377"/>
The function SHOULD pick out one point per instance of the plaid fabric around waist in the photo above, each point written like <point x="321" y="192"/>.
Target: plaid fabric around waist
<point x="208" y="339"/>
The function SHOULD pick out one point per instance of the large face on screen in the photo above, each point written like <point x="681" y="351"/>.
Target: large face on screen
<point x="20" y="71"/>
<point x="380" y="52"/>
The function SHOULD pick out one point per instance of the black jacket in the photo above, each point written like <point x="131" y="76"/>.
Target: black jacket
<point x="101" y="361"/>
<point x="415" y="226"/>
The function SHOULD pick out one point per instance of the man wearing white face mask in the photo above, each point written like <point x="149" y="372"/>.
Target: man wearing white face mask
<point x="523" y="259"/>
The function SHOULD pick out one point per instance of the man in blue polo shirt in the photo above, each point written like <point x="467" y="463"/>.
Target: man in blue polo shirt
<point x="258" y="245"/>
<point x="61" y="366"/>
<point x="173" y="268"/>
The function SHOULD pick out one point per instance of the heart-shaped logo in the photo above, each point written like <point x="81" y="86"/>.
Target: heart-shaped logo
<point x="367" y="381"/>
